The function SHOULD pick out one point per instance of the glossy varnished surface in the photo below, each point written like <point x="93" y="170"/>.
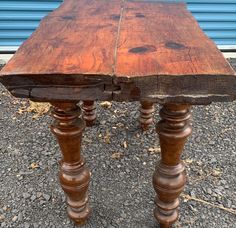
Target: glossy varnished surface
<point x="77" y="38"/>
<point x="127" y="39"/>
<point x="165" y="39"/>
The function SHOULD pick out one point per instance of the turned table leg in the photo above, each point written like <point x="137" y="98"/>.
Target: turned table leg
<point x="89" y="112"/>
<point x="74" y="175"/>
<point x="146" y="114"/>
<point x="169" y="178"/>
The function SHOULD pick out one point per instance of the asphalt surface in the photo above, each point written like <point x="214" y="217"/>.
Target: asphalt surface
<point x="122" y="160"/>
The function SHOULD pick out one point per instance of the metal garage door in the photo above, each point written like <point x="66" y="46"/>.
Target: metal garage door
<point x="217" y="18"/>
<point x="19" y="18"/>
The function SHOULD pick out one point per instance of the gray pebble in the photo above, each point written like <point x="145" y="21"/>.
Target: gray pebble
<point x="26" y="195"/>
<point x="209" y="191"/>
<point x="46" y="197"/>
<point x="33" y="197"/>
<point x="26" y="225"/>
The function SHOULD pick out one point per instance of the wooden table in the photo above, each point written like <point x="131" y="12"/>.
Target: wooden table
<point x="123" y="51"/>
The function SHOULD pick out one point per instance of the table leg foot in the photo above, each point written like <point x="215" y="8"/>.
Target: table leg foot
<point x="169" y="177"/>
<point x="74" y="175"/>
<point x="89" y="113"/>
<point x="146" y="114"/>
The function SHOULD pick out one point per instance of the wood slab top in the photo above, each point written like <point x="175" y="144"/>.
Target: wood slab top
<point x="126" y="39"/>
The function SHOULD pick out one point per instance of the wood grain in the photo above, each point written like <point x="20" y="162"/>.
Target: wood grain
<point x="139" y="50"/>
<point x="165" y="39"/>
<point x="169" y="177"/>
<point x="78" y="38"/>
<point x="119" y="50"/>
<point x="74" y="175"/>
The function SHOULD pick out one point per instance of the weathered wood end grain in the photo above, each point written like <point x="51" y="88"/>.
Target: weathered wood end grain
<point x="120" y="50"/>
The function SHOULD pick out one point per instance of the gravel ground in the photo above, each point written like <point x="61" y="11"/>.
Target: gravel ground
<point x="121" y="193"/>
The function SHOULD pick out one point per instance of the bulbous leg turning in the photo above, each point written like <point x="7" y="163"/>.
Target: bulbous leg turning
<point x="146" y="114"/>
<point x="169" y="177"/>
<point x="74" y="175"/>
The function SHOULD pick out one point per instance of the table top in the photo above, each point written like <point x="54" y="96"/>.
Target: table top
<point x="117" y="40"/>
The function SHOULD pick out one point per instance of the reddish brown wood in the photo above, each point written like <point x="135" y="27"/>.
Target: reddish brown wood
<point x="124" y="51"/>
<point x="169" y="178"/>
<point x="146" y="114"/>
<point x="165" y="39"/>
<point x="89" y="113"/>
<point x="88" y="45"/>
<point x="74" y="175"/>
<point x="140" y="38"/>
<point x="78" y="38"/>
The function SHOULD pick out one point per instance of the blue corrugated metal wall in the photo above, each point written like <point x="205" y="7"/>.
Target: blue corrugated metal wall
<point x="19" y="18"/>
<point x="217" y="18"/>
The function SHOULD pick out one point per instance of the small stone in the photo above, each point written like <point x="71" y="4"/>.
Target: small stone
<point x="41" y="202"/>
<point x="192" y="208"/>
<point x="20" y="217"/>
<point x="14" y="218"/>
<point x="2" y="217"/>
<point x="46" y="197"/>
<point x="39" y="194"/>
<point x="33" y="197"/>
<point x="213" y="160"/>
<point x="209" y="191"/>
<point x="26" y="195"/>
<point x="110" y="226"/>
<point x="36" y="225"/>
<point x="218" y="191"/>
<point x="192" y="193"/>
<point x="26" y="225"/>
<point x="221" y="188"/>
<point x="103" y="122"/>
<point x="211" y="143"/>
<point x="229" y="203"/>
<point x="104" y="222"/>
<point x="224" y="182"/>
<point x="123" y="215"/>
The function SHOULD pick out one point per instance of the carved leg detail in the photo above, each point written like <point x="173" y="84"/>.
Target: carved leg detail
<point x="89" y="112"/>
<point x="74" y="175"/>
<point x="146" y="114"/>
<point x="169" y="178"/>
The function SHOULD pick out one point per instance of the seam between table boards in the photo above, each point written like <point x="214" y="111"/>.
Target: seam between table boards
<point x="118" y="37"/>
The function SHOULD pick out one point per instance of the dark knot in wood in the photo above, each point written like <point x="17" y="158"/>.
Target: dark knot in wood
<point x="140" y="15"/>
<point x="69" y="17"/>
<point x="173" y="45"/>
<point x="143" y="49"/>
